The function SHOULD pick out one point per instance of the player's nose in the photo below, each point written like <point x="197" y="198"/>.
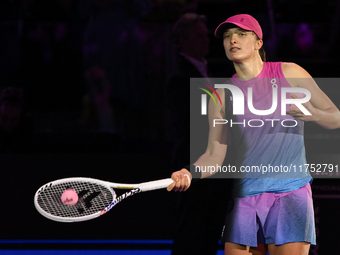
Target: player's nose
<point x="233" y="39"/>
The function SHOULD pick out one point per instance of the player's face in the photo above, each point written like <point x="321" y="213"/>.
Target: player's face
<point x="240" y="44"/>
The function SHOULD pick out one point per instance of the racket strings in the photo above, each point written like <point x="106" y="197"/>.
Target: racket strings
<point x="93" y="198"/>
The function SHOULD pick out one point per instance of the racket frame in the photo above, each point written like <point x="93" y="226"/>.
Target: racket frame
<point x="133" y="189"/>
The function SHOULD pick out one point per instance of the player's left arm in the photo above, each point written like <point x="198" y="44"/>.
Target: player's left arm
<point x="322" y="109"/>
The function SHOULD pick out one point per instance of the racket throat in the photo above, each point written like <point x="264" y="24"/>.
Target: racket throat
<point x="128" y="194"/>
<point x="120" y="198"/>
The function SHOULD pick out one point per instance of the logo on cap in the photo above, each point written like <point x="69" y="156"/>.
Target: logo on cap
<point x="242" y="20"/>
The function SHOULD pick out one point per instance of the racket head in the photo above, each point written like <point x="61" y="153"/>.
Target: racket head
<point x="95" y="197"/>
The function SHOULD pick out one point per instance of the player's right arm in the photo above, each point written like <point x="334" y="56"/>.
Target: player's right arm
<point x="216" y="148"/>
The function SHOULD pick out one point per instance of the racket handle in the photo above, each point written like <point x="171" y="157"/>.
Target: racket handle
<point x="153" y="185"/>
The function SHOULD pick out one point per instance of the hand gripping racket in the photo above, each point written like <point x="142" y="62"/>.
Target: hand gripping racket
<point x="95" y="197"/>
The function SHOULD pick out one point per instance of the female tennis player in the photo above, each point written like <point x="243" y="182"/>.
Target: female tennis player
<point x="272" y="212"/>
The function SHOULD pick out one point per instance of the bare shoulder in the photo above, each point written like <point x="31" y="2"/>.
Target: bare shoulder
<point x="292" y="70"/>
<point x="221" y="92"/>
<point x="217" y="109"/>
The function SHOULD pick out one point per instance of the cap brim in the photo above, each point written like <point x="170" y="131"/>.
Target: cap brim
<point x="225" y="25"/>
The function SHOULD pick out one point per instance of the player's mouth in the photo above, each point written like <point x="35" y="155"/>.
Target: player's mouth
<point x="234" y="49"/>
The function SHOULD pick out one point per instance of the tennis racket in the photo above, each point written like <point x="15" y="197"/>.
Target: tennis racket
<point x="95" y="197"/>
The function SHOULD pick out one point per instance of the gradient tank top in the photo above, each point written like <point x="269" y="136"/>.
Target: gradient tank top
<point x="270" y="151"/>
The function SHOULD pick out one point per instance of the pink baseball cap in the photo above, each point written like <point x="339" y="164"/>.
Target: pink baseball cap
<point x="244" y="21"/>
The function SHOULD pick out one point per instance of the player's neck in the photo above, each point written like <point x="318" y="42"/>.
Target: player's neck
<point x="248" y="69"/>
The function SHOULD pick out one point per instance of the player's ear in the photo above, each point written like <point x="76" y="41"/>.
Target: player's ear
<point x="258" y="44"/>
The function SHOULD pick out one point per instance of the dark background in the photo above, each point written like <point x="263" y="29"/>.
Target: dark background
<point x="42" y="50"/>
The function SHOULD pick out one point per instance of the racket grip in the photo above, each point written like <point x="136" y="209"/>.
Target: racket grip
<point x="153" y="185"/>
